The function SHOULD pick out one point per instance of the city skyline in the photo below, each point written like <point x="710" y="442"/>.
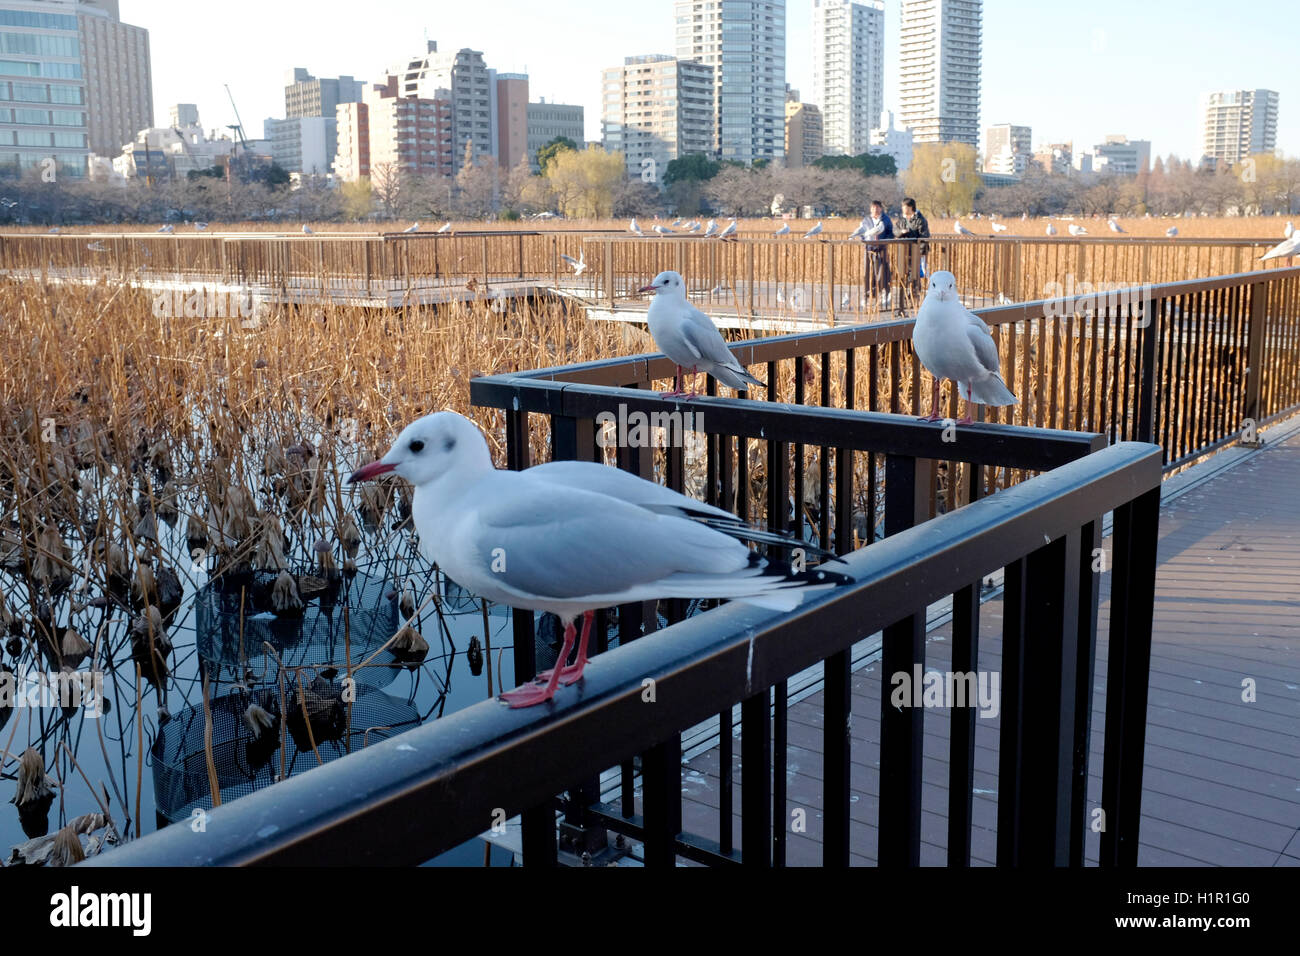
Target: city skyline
<point x="1099" y="60"/>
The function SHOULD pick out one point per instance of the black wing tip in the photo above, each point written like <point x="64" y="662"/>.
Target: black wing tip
<point x="814" y="575"/>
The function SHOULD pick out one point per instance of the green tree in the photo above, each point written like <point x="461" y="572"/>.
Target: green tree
<point x="552" y="149"/>
<point x="693" y="167"/>
<point x="868" y="164"/>
<point x="942" y="178"/>
<point x="585" y="183"/>
<point x="357" y="198"/>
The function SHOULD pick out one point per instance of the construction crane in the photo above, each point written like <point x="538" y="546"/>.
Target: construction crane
<point x="238" y="125"/>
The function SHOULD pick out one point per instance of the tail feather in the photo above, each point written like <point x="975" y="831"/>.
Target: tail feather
<point x="765" y="583"/>
<point x="735" y="377"/>
<point x="990" y="391"/>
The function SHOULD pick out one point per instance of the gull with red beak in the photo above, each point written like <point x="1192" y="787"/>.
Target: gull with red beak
<point x="690" y="339"/>
<point x="571" y="541"/>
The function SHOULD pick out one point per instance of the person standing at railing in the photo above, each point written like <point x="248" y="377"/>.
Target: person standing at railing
<point x="877" y="264"/>
<point x="913" y="226"/>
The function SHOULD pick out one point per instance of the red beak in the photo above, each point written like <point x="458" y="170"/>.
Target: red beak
<point x="646" y="288"/>
<point x="372" y="470"/>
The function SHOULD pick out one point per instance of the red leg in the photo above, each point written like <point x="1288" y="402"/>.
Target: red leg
<point x="967" y="420"/>
<point x="935" y="413"/>
<point x="573" y="673"/>
<point x="676" y="392"/>
<point x="694" y="375"/>
<point x="533" y="693"/>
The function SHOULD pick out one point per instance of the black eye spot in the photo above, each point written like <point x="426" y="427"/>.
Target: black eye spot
<point x="416" y="446"/>
<point x="449" y="444"/>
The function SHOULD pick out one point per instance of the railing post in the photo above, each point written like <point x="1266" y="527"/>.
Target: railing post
<point x="1146" y="398"/>
<point x="1132" y="607"/>
<point x="609" y="271"/>
<point x="908" y="500"/>
<point x="1089" y="586"/>
<point x="1252" y="407"/>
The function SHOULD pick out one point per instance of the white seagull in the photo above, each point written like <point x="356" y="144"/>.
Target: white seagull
<point x="1114" y="226"/>
<point x="784" y="230"/>
<point x="1285" y="248"/>
<point x="579" y="264"/>
<point x="167" y="228"/>
<point x="446" y="227"/>
<point x="634" y="228"/>
<point x="710" y="228"/>
<point x="1077" y="230"/>
<point x="200" y="226"/>
<point x="689" y="338"/>
<point x="1051" y="230"/>
<point x="729" y="231"/>
<point x="54" y="230"/>
<point x="563" y="545"/>
<point x="862" y="228"/>
<point x="1171" y="231"/>
<point x="306" y="229"/>
<point x="961" y="230"/>
<point x="413" y="227"/>
<point x="955" y="344"/>
<point x="662" y="230"/>
<point x="815" y="230"/>
<point x="999" y="227"/>
<point x="1289" y="231"/>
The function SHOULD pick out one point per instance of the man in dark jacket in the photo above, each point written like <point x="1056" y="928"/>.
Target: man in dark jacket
<point x="912" y="225"/>
<point x="877" y="265"/>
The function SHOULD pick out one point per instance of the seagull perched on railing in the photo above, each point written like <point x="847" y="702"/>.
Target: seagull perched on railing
<point x="54" y="230"/>
<point x="446" y="227"/>
<point x="1051" y="230"/>
<point x="1289" y="231"/>
<point x="862" y="228"/>
<point x="1284" y="249"/>
<point x="413" y="227"/>
<point x="815" y="230"/>
<point x="1114" y="226"/>
<point x="999" y="227"/>
<point x="710" y="228"/>
<point x="662" y="230"/>
<point x="729" y="231"/>
<point x="689" y="338"/>
<point x="568" y="543"/>
<point x="955" y="344"/>
<point x="784" y="230"/>
<point x="1077" y="230"/>
<point x="306" y="229"/>
<point x="579" y="264"/>
<point x="200" y="226"/>
<point x="634" y="228"/>
<point x="1171" y="231"/>
<point x="167" y="228"/>
<point x="677" y="222"/>
<point x="961" y="230"/>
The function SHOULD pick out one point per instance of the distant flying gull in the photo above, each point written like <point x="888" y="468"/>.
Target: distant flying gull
<point x="579" y="264"/>
<point x="785" y="228"/>
<point x="689" y="338"/>
<point x="1077" y="230"/>
<point x="413" y="227"/>
<point x="814" y="230"/>
<point x="1051" y="230"/>
<point x="634" y="228"/>
<point x="563" y="544"/>
<point x="1114" y="226"/>
<point x="955" y="344"/>
<point x="1171" y="231"/>
<point x="446" y="227"/>
<point x="7" y="202"/>
<point x="999" y="227"/>
<point x="710" y="228"/>
<point x="962" y="230"/>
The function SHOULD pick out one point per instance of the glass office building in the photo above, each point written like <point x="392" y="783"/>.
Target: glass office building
<point x="42" y="90"/>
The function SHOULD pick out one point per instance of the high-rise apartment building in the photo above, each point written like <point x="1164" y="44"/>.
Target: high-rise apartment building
<point x="1007" y="149"/>
<point x="472" y="94"/>
<point x="1238" y="123"/>
<point x="848" y="71"/>
<point x="307" y="96"/>
<point x="1122" y="156"/>
<point x="512" y="118"/>
<point x="119" y="81"/>
<point x="804" y="143"/>
<point x="655" y="109"/>
<point x="301" y="144"/>
<point x="939" y="70"/>
<point x="390" y="132"/>
<point x="546" y="121"/>
<point x="744" y="42"/>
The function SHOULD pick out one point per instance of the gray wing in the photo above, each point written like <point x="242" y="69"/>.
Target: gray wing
<point x="563" y="543"/>
<point x="985" y="348"/>
<point x="703" y="337"/>
<point x="623" y="485"/>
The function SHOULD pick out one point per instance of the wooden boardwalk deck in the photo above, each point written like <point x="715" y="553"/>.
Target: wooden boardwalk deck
<point x="1222" y="778"/>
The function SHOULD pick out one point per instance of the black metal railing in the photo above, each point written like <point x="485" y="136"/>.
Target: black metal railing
<point x="407" y="799"/>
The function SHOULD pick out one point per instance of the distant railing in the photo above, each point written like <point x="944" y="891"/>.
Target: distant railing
<point x="821" y="280"/>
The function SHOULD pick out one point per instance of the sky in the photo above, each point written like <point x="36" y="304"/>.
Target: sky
<point x="1075" y="72"/>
